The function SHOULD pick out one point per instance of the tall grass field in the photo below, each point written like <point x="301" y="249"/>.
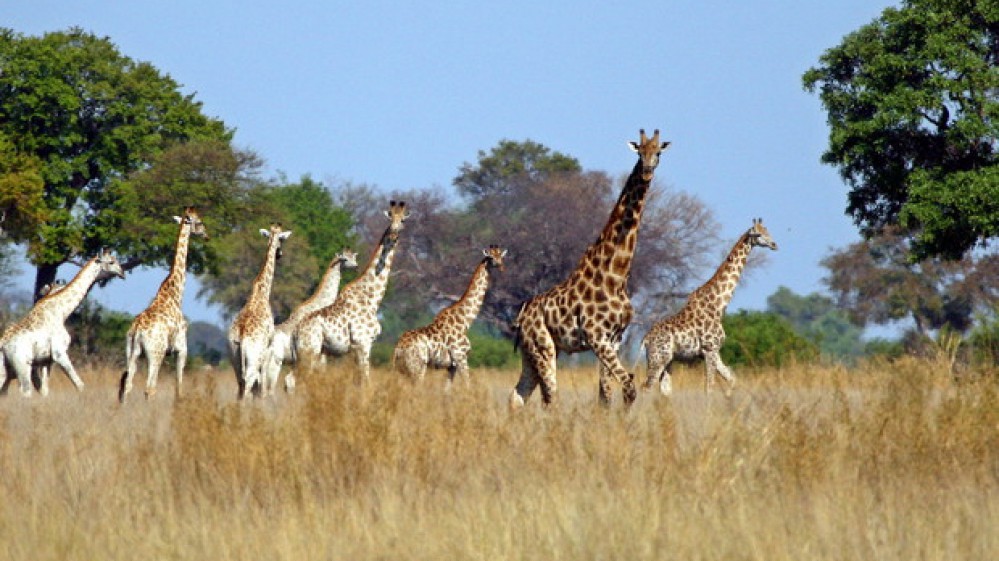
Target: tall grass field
<point x="884" y="461"/>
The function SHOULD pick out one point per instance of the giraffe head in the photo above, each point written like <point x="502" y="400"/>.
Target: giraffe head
<point x="759" y="236"/>
<point x="191" y="217"/>
<point x="397" y="214"/>
<point x="648" y="150"/>
<point x="494" y="256"/>
<point x="110" y="267"/>
<point x="281" y="234"/>
<point x="346" y="258"/>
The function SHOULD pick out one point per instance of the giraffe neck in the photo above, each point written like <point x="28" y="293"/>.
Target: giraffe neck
<point x="261" y="292"/>
<point x="718" y="291"/>
<point x="172" y="288"/>
<point x="324" y="296"/>
<point x="467" y="309"/>
<point x="61" y="304"/>
<point x="613" y="251"/>
<point x="374" y="279"/>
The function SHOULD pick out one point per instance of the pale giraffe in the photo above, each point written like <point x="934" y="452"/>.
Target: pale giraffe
<point x="40" y="338"/>
<point x="591" y="309"/>
<point x="444" y="342"/>
<point x="350" y="324"/>
<point x="161" y="327"/>
<point x="253" y="327"/>
<point x="696" y="330"/>
<point x="280" y="352"/>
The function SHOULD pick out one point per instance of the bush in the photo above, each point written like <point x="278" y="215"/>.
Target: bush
<point x="763" y="339"/>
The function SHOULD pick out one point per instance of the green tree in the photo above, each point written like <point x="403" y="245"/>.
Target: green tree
<point x="763" y="339"/>
<point x="877" y="281"/>
<point x="913" y="109"/>
<point x="817" y="318"/>
<point x="316" y="218"/>
<point x="319" y="230"/>
<point x="86" y="116"/>
<point x="510" y="164"/>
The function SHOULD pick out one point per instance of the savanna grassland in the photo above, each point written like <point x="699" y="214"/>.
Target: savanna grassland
<point x="882" y="461"/>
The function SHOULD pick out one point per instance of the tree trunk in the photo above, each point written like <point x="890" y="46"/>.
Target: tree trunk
<point x="44" y="274"/>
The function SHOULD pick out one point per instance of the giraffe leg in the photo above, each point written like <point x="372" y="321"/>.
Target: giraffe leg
<point x="529" y="380"/>
<point x="60" y="357"/>
<point x="362" y="353"/>
<point x="154" y="359"/>
<point x="714" y="363"/>
<point x="22" y="368"/>
<point x="42" y="382"/>
<point x="610" y="366"/>
<point x="180" y="348"/>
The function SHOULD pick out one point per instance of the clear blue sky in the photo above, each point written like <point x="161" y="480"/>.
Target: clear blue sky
<point x="399" y="94"/>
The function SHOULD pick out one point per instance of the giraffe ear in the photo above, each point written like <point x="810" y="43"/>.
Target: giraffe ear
<point x="177" y="219"/>
<point x="665" y="146"/>
<point x="633" y="145"/>
<point x="503" y="253"/>
<point x="284" y="235"/>
<point x="265" y="233"/>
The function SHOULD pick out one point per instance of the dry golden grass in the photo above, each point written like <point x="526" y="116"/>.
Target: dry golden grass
<point x="879" y="462"/>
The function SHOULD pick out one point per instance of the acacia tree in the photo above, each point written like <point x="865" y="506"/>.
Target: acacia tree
<point x="876" y="281"/>
<point x="544" y="208"/>
<point x="913" y="109"/>
<point x="85" y="116"/>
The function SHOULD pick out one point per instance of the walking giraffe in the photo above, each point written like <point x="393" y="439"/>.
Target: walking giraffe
<point x="350" y="324"/>
<point x="253" y="327"/>
<point x="696" y="330"/>
<point x="590" y="309"/>
<point x="444" y="343"/>
<point x="279" y="352"/>
<point x="161" y="327"/>
<point x="40" y="338"/>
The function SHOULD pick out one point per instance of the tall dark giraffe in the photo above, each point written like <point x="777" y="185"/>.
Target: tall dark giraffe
<point x="591" y="309"/>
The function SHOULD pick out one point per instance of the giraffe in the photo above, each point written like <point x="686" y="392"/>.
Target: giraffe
<point x="280" y="350"/>
<point x="350" y="324"/>
<point x="253" y="327"/>
<point x="696" y="330"/>
<point x="40" y="338"/>
<point x="591" y="309"/>
<point x="444" y="343"/>
<point x="161" y="327"/>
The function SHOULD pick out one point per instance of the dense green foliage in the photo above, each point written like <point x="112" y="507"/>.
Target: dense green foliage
<point x="913" y="109"/>
<point x="763" y="339"/>
<point x="81" y="116"/>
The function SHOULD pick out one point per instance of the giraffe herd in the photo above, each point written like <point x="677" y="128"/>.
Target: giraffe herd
<point x="588" y="311"/>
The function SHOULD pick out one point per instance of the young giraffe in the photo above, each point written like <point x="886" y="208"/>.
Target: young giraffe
<point x="253" y="327"/>
<point x="40" y="338"/>
<point x="590" y="309"/>
<point x="696" y="330"/>
<point x="351" y="322"/>
<point x="444" y="343"/>
<point x="161" y="327"/>
<point x="280" y="350"/>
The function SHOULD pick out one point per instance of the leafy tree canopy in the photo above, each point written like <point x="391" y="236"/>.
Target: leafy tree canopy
<point x="82" y="116"/>
<point x="319" y="228"/>
<point x="509" y="164"/>
<point x="877" y="281"/>
<point x="913" y="109"/>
